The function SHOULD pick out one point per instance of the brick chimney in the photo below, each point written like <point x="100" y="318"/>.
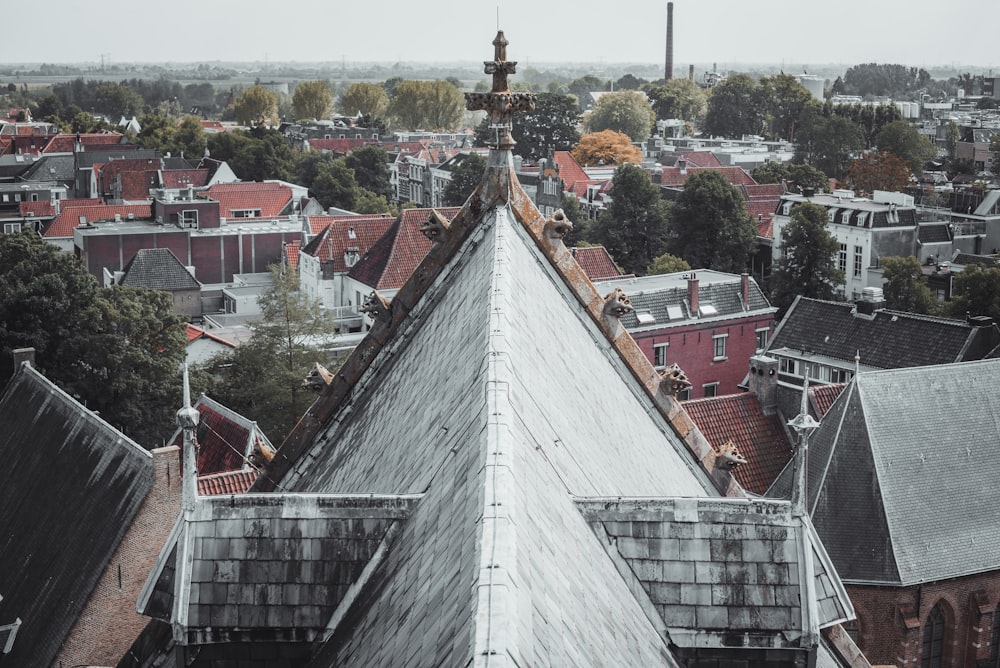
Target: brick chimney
<point x="745" y="290"/>
<point x="764" y="382"/>
<point x="22" y="355"/>
<point x="693" y="293"/>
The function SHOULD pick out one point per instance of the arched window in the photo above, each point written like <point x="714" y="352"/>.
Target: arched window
<point x="933" y="646"/>
<point x="995" y="640"/>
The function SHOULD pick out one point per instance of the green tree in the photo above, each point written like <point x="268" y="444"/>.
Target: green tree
<point x="257" y="155"/>
<point x="735" y="108"/>
<point x="975" y="291"/>
<point x="951" y="139"/>
<point x="464" y="179"/>
<point x="312" y="100"/>
<point x="189" y="140"/>
<point x="627" y="112"/>
<point x="793" y="175"/>
<point x="582" y="88"/>
<point x="709" y="224"/>
<point x="553" y="124"/>
<point x="365" y="99"/>
<point x="634" y="227"/>
<point x="118" y="350"/>
<point x="677" y="98"/>
<point x="574" y="212"/>
<point x="262" y="379"/>
<point x="878" y="170"/>
<point x="905" y="142"/>
<point x="667" y="264"/>
<point x="256" y="105"/>
<point x="606" y="148"/>
<point x="807" y="266"/>
<point x="371" y="169"/>
<point x="827" y="142"/>
<point x="117" y="100"/>
<point x="784" y="100"/>
<point x="431" y="105"/>
<point x="906" y="288"/>
<point x="629" y="82"/>
<point x="335" y="185"/>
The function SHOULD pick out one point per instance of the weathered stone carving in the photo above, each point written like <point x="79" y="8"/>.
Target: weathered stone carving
<point x="557" y="226"/>
<point x="262" y="453"/>
<point x="674" y="380"/>
<point x="376" y="306"/>
<point x="318" y="378"/>
<point x="435" y="227"/>
<point x="500" y="104"/>
<point x="617" y="304"/>
<point x="729" y="457"/>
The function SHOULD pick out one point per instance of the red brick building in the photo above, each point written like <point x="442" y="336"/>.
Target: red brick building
<point x="708" y="322"/>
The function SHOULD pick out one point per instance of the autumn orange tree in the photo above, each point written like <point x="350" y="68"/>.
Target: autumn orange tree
<point x="879" y="170"/>
<point x="606" y="148"/>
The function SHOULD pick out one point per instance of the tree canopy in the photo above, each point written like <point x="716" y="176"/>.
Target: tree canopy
<point x="312" y="100"/>
<point x="735" y="108"/>
<point x="371" y="169"/>
<point x="667" y="264"/>
<point x="606" y="148"/>
<point x="464" y="179"/>
<point x="975" y="291"/>
<point x="878" y="170"/>
<point x="117" y="350"/>
<point x="165" y="134"/>
<point x="795" y="176"/>
<point x="427" y="105"/>
<point x="256" y="105"/>
<point x="366" y="99"/>
<point x="784" y="101"/>
<point x="627" y="112"/>
<point x="807" y="265"/>
<point x="255" y="155"/>
<point x="903" y="140"/>
<point x="634" y="227"/>
<point x="906" y="288"/>
<point x="709" y="224"/>
<point x="827" y="142"/>
<point x="552" y="125"/>
<point x="677" y="98"/>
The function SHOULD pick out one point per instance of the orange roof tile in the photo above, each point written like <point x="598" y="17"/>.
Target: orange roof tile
<point x="194" y="333"/>
<point x="596" y="262"/>
<point x="821" y="397"/>
<point x="63" y="143"/>
<point x="37" y="209"/>
<point x="291" y="252"/>
<point x="227" y="482"/>
<point x="700" y="159"/>
<point x="342" y="232"/>
<point x="69" y="216"/>
<point x="270" y="198"/>
<point x="759" y="438"/>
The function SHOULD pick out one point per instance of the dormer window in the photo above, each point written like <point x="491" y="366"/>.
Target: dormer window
<point x="351" y="234"/>
<point x="245" y="213"/>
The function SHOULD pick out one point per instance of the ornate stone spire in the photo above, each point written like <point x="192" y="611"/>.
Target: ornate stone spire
<point x="500" y="103"/>
<point x="804" y="425"/>
<point x="187" y="420"/>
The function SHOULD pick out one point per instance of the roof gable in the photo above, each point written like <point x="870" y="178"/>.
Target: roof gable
<point x="596" y="262"/>
<point x="227" y="441"/>
<point x="158" y="269"/>
<point x="269" y="198"/>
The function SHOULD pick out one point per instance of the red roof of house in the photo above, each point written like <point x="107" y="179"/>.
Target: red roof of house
<point x="397" y="253"/>
<point x="821" y="397"/>
<point x="227" y="482"/>
<point x="69" y="216"/>
<point x="759" y="438"/>
<point x="194" y="333"/>
<point x="291" y="251"/>
<point x="340" y="233"/>
<point x="596" y="262"/>
<point x="343" y="146"/>
<point x="213" y="126"/>
<point x="63" y="143"/>
<point x="673" y="177"/>
<point x="224" y="438"/>
<point x="181" y="178"/>
<point x="270" y="198"/>
<point x="37" y="209"/>
<point x="574" y="179"/>
<point x="700" y="159"/>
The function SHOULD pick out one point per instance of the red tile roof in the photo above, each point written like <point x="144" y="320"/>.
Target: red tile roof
<point x="596" y="262"/>
<point x="63" y="143"/>
<point x="397" y="253"/>
<point x="227" y="482"/>
<point x="194" y="333"/>
<point x="291" y="251"/>
<point x="672" y="176"/>
<point x="181" y="178"/>
<point x="759" y="438"/>
<point x="69" y="216"/>
<point x="37" y="209"/>
<point x="700" y="159"/>
<point x="342" y="232"/>
<point x="574" y="179"/>
<point x="225" y="438"/>
<point x="342" y="146"/>
<point x="213" y="126"/>
<point x="271" y="198"/>
<point x="821" y="397"/>
<point x="135" y="184"/>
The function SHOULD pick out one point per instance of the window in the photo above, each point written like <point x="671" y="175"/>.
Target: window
<point x="858" y="256"/>
<point x="932" y="650"/>
<point x="660" y="355"/>
<point x="842" y="258"/>
<point x="711" y="389"/>
<point x="11" y="228"/>
<point x="189" y="218"/>
<point x="786" y="365"/>
<point x="762" y="338"/>
<point x="839" y="375"/>
<point x="245" y="213"/>
<point x="719" y="346"/>
<point x="684" y="394"/>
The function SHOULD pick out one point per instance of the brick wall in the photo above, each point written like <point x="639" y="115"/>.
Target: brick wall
<point x="891" y="620"/>
<point x="109" y="622"/>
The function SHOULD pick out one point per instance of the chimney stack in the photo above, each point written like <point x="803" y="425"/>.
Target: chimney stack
<point x="690" y="72"/>
<point x="693" y="294"/>
<point x="668" y="71"/>
<point x="745" y="290"/>
<point x="764" y="382"/>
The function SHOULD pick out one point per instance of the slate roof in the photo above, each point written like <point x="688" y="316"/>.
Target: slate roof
<point x="933" y="233"/>
<point x="50" y="167"/>
<point x="158" y="269"/>
<point x="965" y="259"/>
<point x="72" y="486"/>
<point x="759" y="438"/>
<point x="888" y="340"/>
<point x="69" y="215"/>
<point x="596" y="262"/>
<point x="226" y="439"/>
<point x="395" y="255"/>
<point x="879" y="450"/>
<point x="271" y="198"/>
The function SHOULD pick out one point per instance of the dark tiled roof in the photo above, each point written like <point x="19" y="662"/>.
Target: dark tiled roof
<point x="73" y="485"/>
<point x="725" y="297"/>
<point x="891" y="437"/>
<point x="965" y="259"/>
<point x="759" y="438"/>
<point x="226" y="439"/>
<point x="596" y="262"/>
<point x="889" y="340"/>
<point x="933" y="233"/>
<point x="158" y="269"/>
<point x="227" y="482"/>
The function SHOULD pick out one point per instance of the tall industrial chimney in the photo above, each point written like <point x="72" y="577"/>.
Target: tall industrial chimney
<point x="668" y="70"/>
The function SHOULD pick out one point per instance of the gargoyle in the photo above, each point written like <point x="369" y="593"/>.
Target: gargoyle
<point x="318" y="378"/>
<point x="729" y="457"/>
<point x="558" y="225"/>
<point x="376" y="306"/>
<point x="261" y="455"/>
<point x="617" y="304"/>
<point x="435" y="227"/>
<point x="674" y="380"/>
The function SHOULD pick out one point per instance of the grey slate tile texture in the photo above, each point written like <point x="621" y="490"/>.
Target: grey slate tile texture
<point x="158" y="269"/>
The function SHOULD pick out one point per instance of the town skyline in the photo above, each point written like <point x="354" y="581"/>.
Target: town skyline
<point x="723" y="31"/>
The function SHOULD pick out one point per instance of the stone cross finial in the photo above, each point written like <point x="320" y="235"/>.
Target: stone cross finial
<point x="500" y="103"/>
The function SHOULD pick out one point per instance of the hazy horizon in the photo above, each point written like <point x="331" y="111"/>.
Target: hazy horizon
<point x="441" y="32"/>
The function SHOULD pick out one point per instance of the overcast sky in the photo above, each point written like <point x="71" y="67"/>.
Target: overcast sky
<point x="797" y="33"/>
